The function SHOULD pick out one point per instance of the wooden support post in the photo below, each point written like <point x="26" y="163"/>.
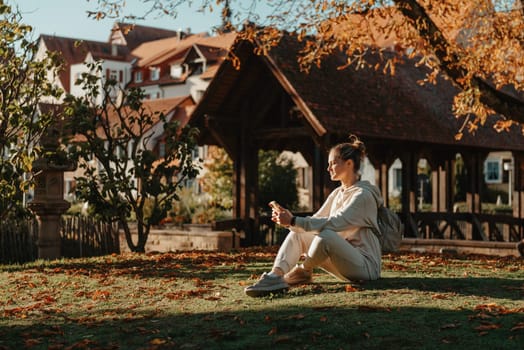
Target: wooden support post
<point x="518" y="194"/>
<point x="383" y="182"/>
<point x="442" y="181"/>
<point x="409" y="192"/>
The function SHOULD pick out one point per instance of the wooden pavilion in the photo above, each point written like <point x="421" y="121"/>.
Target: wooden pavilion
<point x="268" y="103"/>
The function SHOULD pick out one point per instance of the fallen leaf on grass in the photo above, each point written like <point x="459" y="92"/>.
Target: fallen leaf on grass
<point x="488" y="326"/>
<point x="32" y="342"/>
<point x="282" y="339"/>
<point x="439" y="296"/>
<point x="394" y="267"/>
<point x="100" y="295"/>
<point x="296" y="317"/>
<point x="496" y="309"/>
<point x="157" y="341"/>
<point x="272" y="331"/>
<point x="450" y="326"/>
<point x="373" y="308"/>
<point x="518" y="326"/>
<point x="222" y="333"/>
<point x="349" y="288"/>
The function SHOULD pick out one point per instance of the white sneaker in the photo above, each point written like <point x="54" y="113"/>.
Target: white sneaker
<point x="266" y="285"/>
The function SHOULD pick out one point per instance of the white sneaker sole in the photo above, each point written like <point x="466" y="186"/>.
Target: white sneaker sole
<point x="260" y="292"/>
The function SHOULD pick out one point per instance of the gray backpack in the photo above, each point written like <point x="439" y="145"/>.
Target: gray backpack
<point x="391" y="230"/>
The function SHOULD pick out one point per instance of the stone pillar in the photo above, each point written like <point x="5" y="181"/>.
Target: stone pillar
<point x="48" y="205"/>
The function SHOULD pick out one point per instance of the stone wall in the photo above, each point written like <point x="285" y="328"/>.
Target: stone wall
<point x="189" y="237"/>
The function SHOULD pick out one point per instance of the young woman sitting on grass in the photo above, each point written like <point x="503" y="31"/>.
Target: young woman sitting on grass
<point x="338" y="238"/>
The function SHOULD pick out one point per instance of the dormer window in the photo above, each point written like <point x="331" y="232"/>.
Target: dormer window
<point x="138" y="77"/>
<point x="177" y="71"/>
<point x="155" y="73"/>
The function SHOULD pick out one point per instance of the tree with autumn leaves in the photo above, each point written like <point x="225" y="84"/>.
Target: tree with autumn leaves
<point x="477" y="44"/>
<point x="23" y="84"/>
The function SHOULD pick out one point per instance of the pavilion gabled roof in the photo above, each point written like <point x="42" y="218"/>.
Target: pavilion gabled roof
<point x="366" y="102"/>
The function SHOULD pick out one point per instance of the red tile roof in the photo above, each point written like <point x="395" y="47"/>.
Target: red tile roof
<point x="135" y="34"/>
<point x="172" y="50"/>
<point x="157" y="51"/>
<point x="74" y="51"/>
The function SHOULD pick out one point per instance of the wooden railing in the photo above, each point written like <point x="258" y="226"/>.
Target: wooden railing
<point x="464" y="226"/>
<point x="430" y="225"/>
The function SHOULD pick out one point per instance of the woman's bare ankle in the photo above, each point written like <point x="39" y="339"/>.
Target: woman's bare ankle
<point x="277" y="271"/>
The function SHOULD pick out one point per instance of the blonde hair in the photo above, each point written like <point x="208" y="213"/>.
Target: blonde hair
<point x="354" y="149"/>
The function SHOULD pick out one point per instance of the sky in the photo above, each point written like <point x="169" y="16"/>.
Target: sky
<point x="68" y="18"/>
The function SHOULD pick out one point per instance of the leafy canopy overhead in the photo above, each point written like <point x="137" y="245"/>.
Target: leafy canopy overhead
<point x="476" y="43"/>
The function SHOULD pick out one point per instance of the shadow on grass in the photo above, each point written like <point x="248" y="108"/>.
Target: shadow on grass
<point x="265" y="327"/>
<point x="478" y="286"/>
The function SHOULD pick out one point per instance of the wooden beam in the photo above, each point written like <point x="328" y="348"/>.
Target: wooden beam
<point x="280" y="133"/>
<point x="217" y="133"/>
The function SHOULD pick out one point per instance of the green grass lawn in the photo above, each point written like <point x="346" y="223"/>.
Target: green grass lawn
<point x="195" y="300"/>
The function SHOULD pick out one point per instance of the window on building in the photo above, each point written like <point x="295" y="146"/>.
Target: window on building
<point x="177" y="71"/>
<point x="155" y="73"/>
<point x="492" y="173"/>
<point x="77" y="77"/>
<point x="138" y="77"/>
<point x="112" y="74"/>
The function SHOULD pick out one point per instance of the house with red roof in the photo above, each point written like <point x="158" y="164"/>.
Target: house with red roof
<point x="172" y="67"/>
<point x="179" y="66"/>
<point x="76" y="54"/>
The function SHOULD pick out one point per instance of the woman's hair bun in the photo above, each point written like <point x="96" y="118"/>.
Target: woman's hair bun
<point x="357" y="144"/>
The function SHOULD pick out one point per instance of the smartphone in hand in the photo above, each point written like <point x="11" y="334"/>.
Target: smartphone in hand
<point x="275" y="206"/>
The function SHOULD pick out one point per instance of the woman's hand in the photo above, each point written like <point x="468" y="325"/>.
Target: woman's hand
<point x="281" y="215"/>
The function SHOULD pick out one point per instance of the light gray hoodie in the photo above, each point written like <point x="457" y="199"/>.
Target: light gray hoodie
<point x="350" y="212"/>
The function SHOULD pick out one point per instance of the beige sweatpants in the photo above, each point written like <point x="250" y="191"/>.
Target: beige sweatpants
<point x="326" y="250"/>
